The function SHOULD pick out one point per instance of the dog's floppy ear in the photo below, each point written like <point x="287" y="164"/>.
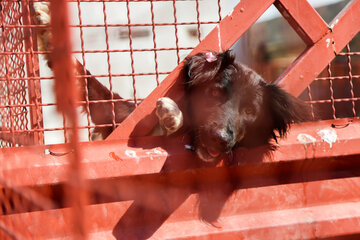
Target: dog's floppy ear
<point x="285" y="109"/>
<point x="205" y="66"/>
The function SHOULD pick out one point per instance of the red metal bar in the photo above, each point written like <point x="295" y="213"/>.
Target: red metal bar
<point x="116" y="25"/>
<point x="32" y="68"/>
<point x="107" y="159"/>
<point x="304" y="19"/>
<point x="66" y="95"/>
<point x="142" y="120"/>
<point x="317" y="210"/>
<point x="314" y="59"/>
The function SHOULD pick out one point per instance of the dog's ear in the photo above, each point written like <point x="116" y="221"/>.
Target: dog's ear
<point x="285" y="109"/>
<point x="203" y="67"/>
<point x="226" y="58"/>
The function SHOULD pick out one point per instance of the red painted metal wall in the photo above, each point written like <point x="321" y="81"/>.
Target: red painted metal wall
<point x="135" y="187"/>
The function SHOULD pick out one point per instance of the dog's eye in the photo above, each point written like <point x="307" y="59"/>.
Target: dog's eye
<point x="249" y="111"/>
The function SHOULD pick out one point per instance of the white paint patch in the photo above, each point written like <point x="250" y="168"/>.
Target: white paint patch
<point x="306" y="138"/>
<point x="150" y="155"/>
<point x="132" y="154"/>
<point x="55" y="164"/>
<point x="328" y="41"/>
<point x="328" y="135"/>
<point x="219" y="37"/>
<point x="156" y="153"/>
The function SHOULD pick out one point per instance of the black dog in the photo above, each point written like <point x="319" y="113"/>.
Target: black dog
<point x="231" y="105"/>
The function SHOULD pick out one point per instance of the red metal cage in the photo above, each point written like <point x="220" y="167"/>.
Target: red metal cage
<point x="55" y="183"/>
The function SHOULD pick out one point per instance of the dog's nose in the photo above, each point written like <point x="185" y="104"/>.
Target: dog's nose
<point x="222" y="136"/>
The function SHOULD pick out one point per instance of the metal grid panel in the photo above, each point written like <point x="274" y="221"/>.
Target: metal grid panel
<point x="335" y="93"/>
<point x="13" y="93"/>
<point x="129" y="46"/>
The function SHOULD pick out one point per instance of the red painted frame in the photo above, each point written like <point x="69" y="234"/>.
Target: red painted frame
<point x="304" y="190"/>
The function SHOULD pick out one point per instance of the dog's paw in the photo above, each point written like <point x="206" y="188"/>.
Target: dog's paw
<point x="42" y="15"/>
<point x="169" y="114"/>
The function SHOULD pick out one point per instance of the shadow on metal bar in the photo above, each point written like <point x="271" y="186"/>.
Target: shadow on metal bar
<point x="156" y="196"/>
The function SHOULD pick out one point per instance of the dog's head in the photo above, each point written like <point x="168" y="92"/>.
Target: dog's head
<point x="231" y="105"/>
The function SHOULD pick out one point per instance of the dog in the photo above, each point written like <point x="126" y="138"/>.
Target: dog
<point x="231" y="106"/>
<point x="228" y="104"/>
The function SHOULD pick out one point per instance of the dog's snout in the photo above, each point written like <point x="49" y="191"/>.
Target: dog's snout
<point x="222" y="136"/>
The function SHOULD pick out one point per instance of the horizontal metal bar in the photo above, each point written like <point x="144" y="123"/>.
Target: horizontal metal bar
<point x="302" y="210"/>
<point x="79" y="103"/>
<point x="335" y="100"/>
<point x="101" y="0"/>
<point x="336" y="78"/>
<point x="94" y="75"/>
<point x="148" y="155"/>
<point x="103" y="51"/>
<point x="141" y="99"/>
<point x="117" y="25"/>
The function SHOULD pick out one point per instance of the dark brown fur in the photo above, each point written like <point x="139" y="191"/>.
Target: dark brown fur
<point x="231" y="105"/>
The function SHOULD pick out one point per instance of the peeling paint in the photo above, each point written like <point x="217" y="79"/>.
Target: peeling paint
<point x="157" y="151"/>
<point x="328" y="135"/>
<point x="150" y="155"/>
<point x="132" y="154"/>
<point x="328" y="41"/>
<point x="306" y="139"/>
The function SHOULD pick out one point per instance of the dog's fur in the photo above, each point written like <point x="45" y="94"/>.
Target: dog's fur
<point x="229" y="105"/>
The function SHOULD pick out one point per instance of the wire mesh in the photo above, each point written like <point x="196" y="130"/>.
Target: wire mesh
<point x="335" y="93"/>
<point x="14" y="115"/>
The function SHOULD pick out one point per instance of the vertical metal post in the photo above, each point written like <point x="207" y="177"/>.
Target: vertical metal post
<point x="32" y="70"/>
<point x="67" y="97"/>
